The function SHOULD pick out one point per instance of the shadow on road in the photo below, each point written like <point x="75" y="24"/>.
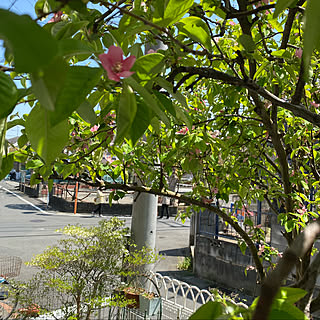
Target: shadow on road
<point x="176" y="252"/>
<point x="20" y="207"/>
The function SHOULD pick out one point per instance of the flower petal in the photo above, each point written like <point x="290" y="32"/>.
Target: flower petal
<point x="128" y="63"/>
<point x="107" y="65"/>
<point x="115" y="55"/>
<point x="125" y="74"/>
<point x="113" y="76"/>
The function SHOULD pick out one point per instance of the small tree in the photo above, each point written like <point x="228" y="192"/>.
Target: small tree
<point x="83" y="268"/>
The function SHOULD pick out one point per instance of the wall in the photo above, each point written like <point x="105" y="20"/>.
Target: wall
<point x="63" y="205"/>
<point x="224" y="263"/>
<point x="60" y="204"/>
<point x="30" y="191"/>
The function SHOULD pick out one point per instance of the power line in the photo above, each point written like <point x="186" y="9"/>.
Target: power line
<point x="12" y="4"/>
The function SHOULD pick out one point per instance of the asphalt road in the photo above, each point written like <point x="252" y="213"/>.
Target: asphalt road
<point x="27" y="228"/>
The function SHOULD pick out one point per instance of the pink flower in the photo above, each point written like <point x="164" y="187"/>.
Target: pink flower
<point x="279" y="254"/>
<point x="232" y="23"/>
<point x="250" y="268"/>
<point x="94" y="128"/>
<point x="316" y="105"/>
<point x="206" y="201"/>
<point x="260" y="3"/>
<point x="215" y="190"/>
<point x="298" y="53"/>
<point x="261" y="249"/>
<point x="303" y="210"/>
<point x="115" y="65"/>
<point x="215" y="134"/>
<point x="250" y="213"/>
<point x="152" y="51"/>
<point x="56" y="17"/>
<point x="183" y="131"/>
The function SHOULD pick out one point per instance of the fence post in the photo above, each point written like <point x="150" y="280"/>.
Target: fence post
<point x="258" y="212"/>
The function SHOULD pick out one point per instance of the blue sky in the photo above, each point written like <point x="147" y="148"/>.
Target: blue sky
<point x="19" y="7"/>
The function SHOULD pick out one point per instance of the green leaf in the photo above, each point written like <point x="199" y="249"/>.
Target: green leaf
<point x="283" y="310"/>
<point x="149" y="99"/>
<point x="86" y="112"/>
<point x="184" y="116"/>
<point x="247" y="42"/>
<point x="148" y="65"/>
<point x="6" y="165"/>
<point x="72" y="47"/>
<point x="79" y="82"/>
<point x="141" y="121"/>
<point x="243" y="247"/>
<point x="22" y="93"/>
<point x="126" y="112"/>
<point x="22" y="141"/>
<point x="166" y="102"/>
<point x="68" y="170"/>
<point x="289" y="225"/>
<point x="281" y="5"/>
<point x="20" y="157"/>
<point x="79" y="6"/>
<point x="16" y="122"/>
<point x="278" y="53"/>
<point x="311" y="32"/>
<point x="210" y="310"/>
<point x="176" y="95"/>
<point x="62" y="89"/>
<point x="33" y="164"/>
<point x="276" y="24"/>
<point x="33" y="48"/>
<point x="197" y="30"/>
<point x="47" y="140"/>
<point x="63" y="30"/>
<point x="8" y="95"/>
<point x="3" y="130"/>
<point x="173" y="11"/>
<point x="46" y="85"/>
<point x="291" y="295"/>
<point x="261" y="69"/>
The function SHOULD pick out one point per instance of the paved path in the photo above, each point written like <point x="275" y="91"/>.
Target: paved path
<point x="27" y="227"/>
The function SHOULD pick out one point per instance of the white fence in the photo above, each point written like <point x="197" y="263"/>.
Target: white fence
<point x="179" y="301"/>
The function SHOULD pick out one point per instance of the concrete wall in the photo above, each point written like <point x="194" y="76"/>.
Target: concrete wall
<point x="116" y="209"/>
<point x="224" y="263"/>
<point x="30" y="191"/>
<point x="63" y="205"/>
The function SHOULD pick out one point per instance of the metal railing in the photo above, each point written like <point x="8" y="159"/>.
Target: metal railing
<point x="179" y="301"/>
<point x="209" y="223"/>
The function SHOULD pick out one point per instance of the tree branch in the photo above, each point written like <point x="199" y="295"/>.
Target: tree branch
<point x="291" y="256"/>
<point x="163" y="30"/>
<point x="249" y="12"/>
<point x="4" y="68"/>
<point x="297" y="109"/>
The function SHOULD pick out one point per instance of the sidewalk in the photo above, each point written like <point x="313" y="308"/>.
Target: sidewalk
<point x="172" y="239"/>
<point x="172" y="243"/>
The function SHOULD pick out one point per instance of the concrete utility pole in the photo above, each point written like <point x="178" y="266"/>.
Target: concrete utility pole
<point x="144" y="220"/>
<point x="145" y="206"/>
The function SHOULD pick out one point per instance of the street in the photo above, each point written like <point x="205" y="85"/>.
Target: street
<point x="27" y="228"/>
